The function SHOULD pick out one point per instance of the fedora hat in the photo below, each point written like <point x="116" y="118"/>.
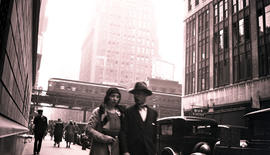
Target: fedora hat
<point x="141" y="86"/>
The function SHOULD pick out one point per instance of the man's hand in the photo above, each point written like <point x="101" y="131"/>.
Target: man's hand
<point x="126" y="153"/>
<point x="109" y="139"/>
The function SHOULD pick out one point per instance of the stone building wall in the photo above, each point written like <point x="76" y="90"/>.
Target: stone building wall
<point x="18" y="42"/>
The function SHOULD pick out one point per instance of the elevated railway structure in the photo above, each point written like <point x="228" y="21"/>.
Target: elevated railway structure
<point x="86" y="96"/>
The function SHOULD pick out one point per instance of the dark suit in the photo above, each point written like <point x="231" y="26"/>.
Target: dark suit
<point x="40" y="128"/>
<point x="138" y="137"/>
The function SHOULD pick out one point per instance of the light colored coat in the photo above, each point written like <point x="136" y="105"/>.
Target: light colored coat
<point x="95" y="130"/>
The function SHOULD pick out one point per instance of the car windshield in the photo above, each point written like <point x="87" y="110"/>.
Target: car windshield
<point x="199" y="130"/>
<point x="166" y="129"/>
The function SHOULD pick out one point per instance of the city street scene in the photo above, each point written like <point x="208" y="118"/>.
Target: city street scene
<point x="135" y="77"/>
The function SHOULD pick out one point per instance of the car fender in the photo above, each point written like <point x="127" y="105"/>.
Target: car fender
<point x="202" y="147"/>
<point x="169" y="151"/>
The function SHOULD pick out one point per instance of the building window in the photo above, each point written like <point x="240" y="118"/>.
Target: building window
<point x="216" y="14"/>
<point x="221" y="40"/>
<point x="267" y="18"/>
<point x="189" y="5"/>
<point x="242" y="63"/>
<point x="238" y="5"/>
<point x="241" y="30"/>
<point x="234" y="7"/>
<point x="221" y="44"/>
<point x="190" y="56"/>
<point x="203" y="51"/>
<point x="221" y="58"/>
<point x="62" y="87"/>
<point x="220" y="11"/>
<point x="263" y="15"/>
<point x="225" y="9"/>
<point x="196" y="2"/>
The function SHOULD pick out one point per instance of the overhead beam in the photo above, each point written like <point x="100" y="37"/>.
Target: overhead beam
<point x="71" y="101"/>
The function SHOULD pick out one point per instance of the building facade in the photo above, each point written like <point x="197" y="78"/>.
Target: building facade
<point x="227" y="51"/>
<point x="121" y="44"/>
<point x="18" y="52"/>
<point x="164" y="86"/>
<point x="166" y="98"/>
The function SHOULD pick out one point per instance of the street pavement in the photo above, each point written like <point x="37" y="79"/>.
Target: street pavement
<point x="47" y="148"/>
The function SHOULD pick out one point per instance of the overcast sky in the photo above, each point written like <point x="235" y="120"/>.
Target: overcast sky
<point x="68" y="25"/>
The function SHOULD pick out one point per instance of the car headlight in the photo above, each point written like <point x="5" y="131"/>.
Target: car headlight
<point x="205" y="148"/>
<point x="202" y="147"/>
<point x="243" y="143"/>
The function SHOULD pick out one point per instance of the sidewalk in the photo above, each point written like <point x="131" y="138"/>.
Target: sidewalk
<point x="47" y="148"/>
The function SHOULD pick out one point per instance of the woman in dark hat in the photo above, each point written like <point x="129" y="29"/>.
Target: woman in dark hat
<point x="104" y="125"/>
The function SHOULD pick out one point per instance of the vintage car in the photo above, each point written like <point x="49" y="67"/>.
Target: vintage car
<point x="184" y="135"/>
<point x="82" y="139"/>
<point x="232" y="135"/>
<point x="257" y="140"/>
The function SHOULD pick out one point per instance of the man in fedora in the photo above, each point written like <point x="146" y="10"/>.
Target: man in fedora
<point x="138" y="129"/>
<point x="40" y="128"/>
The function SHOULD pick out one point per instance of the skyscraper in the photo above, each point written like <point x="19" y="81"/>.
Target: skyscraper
<point x="121" y="43"/>
<point x="227" y="47"/>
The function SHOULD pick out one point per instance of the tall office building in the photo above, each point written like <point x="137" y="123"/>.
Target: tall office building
<point x="121" y="44"/>
<point x="227" y="48"/>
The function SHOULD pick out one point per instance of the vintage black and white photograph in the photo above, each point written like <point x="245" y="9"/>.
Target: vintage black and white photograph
<point x="134" y="77"/>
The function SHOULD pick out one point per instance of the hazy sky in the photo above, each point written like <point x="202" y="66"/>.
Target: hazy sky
<point x="68" y="25"/>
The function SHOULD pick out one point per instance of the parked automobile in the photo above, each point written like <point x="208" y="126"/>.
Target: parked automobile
<point x="82" y="138"/>
<point x="232" y="135"/>
<point x="257" y="141"/>
<point x="186" y="135"/>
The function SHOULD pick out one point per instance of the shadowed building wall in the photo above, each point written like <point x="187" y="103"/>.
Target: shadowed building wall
<point x="18" y="52"/>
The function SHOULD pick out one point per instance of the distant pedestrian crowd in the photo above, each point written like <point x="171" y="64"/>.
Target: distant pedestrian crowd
<point x="70" y="131"/>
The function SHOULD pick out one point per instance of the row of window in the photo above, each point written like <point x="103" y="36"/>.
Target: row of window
<point x="221" y="45"/>
<point x="190" y="56"/>
<point x="134" y="39"/>
<point x="263" y="15"/>
<point x="203" y="50"/>
<point x="236" y="6"/>
<point x="192" y="3"/>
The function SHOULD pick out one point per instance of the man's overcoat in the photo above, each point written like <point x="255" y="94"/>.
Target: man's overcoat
<point x="137" y="135"/>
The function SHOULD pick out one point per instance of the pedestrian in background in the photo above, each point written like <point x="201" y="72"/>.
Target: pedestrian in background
<point x="104" y="125"/>
<point x="76" y="132"/>
<point x="40" y="128"/>
<point x="69" y="133"/>
<point x="58" y="132"/>
<point x="51" y="128"/>
<point x="138" y="129"/>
